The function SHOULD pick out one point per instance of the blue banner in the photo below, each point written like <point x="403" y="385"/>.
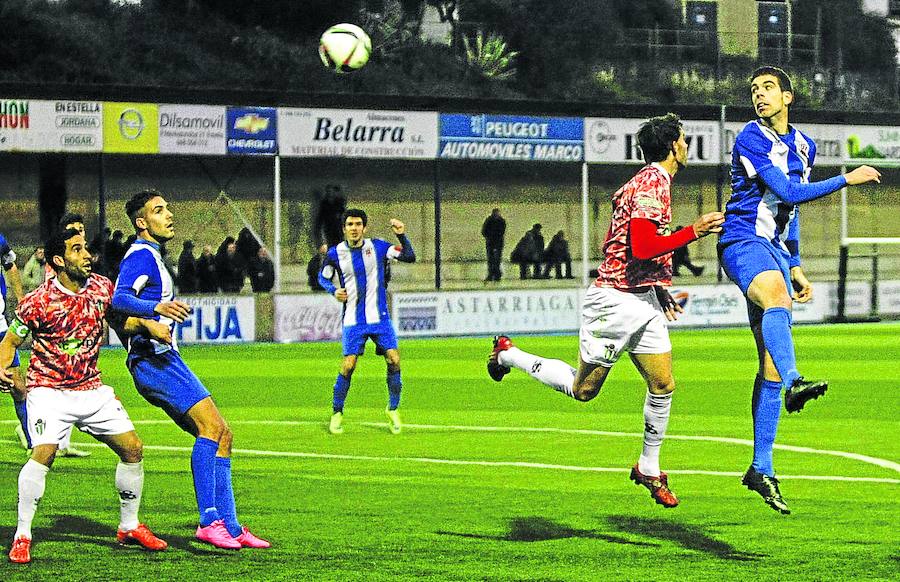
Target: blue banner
<point x="511" y="137"/>
<point x="252" y="130"/>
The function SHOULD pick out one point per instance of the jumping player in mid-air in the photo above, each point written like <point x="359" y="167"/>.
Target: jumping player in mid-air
<point x="760" y="251"/>
<point x="359" y="265"/>
<point x="626" y="308"/>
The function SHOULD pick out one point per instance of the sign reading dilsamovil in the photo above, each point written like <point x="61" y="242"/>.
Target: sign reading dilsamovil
<point x="357" y="133"/>
<point x="252" y="130"/>
<point x="511" y="137"/>
<point x="50" y="126"/>
<point x="192" y="129"/>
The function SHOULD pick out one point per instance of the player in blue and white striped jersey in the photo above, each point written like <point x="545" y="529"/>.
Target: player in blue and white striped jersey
<point x="760" y="251"/>
<point x="358" y="264"/>
<point x="144" y="289"/>
<point x="8" y="266"/>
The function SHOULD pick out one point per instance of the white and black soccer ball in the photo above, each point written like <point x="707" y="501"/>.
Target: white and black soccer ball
<point x="344" y="48"/>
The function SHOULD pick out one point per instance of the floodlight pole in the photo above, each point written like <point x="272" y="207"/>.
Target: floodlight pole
<point x="585" y="208"/>
<point x="276" y="244"/>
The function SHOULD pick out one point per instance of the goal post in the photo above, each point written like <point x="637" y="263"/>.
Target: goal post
<point x="860" y="247"/>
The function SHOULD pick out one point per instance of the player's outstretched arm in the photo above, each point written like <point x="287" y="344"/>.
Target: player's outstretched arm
<point x="797" y="193"/>
<point x="646" y="244"/>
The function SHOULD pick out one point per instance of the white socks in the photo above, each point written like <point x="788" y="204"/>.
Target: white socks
<point x="130" y="485"/>
<point x="656" y="419"/>
<point x="32" y="480"/>
<point x="554" y="373"/>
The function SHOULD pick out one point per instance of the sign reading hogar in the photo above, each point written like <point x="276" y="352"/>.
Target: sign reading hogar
<point x="350" y="133"/>
<point x="51" y="126"/>
<point x="252" y="130"/>
<point x="511" y="137"/>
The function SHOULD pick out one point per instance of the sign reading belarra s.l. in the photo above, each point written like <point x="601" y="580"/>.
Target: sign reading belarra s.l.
<point x="353" y="133"/>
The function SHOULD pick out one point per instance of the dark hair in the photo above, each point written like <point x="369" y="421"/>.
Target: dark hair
<point x="134" y="206"/>
<point x="783" y="80"/>
<point x="70" y="218"/>
<point x="656" y="136"/>
<point x="355" y="213"/>
<point x="56" y="245"/>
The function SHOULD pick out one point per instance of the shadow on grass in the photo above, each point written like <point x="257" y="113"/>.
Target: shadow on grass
<point x="539" y="529"/>
<point x="687" y="536"/>
<point x="69" y="528"/>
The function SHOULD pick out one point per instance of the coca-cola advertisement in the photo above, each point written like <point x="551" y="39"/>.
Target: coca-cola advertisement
<point x="307" y="318"/>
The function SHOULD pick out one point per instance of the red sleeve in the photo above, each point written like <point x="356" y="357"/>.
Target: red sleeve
<point x="646" y="244"/>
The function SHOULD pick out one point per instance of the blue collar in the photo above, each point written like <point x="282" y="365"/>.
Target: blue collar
<point x="144" y="241"/>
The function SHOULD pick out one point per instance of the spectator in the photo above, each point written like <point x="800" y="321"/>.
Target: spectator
<point x="229" y="272"/>
<point x="207" y="281"/>
<point x="521" y="255"/>
<point x="187" y="269"/>
<point x="557" y="255"/>
<point x="115" y="250"/>
<point x="247" y="247"/>
<point x="493" y="230"/>
<point x="537" y="251"/>
<point x="313" y="268"/>
<point x="329" y="225"/>
<point x="261" y="271"/>
<point x="682" y="258"/>
<point x="35" y="270"/>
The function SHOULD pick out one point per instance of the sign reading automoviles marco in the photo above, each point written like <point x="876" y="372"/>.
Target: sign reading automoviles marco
<point x="252" y="130"/>
<point x="351" y="133"/>
<point x="511" y="137"/>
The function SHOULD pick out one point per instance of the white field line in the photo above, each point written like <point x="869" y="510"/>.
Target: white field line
<point x="524" y="464"/>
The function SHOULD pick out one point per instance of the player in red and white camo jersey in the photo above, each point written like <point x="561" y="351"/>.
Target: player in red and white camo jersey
<point x="65" y="315"/>
<point x="626" y="308"/>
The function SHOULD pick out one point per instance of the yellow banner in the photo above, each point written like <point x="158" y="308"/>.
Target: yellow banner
<point x="130" y="128"/>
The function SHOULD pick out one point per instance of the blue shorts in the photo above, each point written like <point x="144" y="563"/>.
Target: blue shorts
<point x="354" y="337"/>
<point x="743" y="260"/>
<point x="166" y="381"/>
<point x="15" y="362"/>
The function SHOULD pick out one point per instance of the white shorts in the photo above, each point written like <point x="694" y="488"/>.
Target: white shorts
<point x="614" y="321"/>
<point x="51" y="413"/>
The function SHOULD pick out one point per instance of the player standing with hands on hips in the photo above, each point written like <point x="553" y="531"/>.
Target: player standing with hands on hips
<point x="359" y="265"/>
<point x="760" y="251"/>
<point x="626" y="308"/>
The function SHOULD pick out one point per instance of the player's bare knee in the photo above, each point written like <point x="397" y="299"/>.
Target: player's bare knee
<point x="132" y="452"/>
<point x="44" y="454"/>
<point x="661" y="387"/>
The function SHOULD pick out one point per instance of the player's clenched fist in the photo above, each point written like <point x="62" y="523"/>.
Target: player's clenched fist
<point x="175" y="310"/>
<point x="341" y="295"/>
<point x="708" y="223"/>
<point x="397" y="226"/>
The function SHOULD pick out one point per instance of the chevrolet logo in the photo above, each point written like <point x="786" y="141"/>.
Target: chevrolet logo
<point x="251" y="123"/>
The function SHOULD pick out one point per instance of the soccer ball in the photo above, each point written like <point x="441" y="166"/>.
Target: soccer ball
<point x="344" y="48"/>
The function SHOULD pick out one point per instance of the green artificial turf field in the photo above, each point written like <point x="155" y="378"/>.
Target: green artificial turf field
<point x="508" y="481"/>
